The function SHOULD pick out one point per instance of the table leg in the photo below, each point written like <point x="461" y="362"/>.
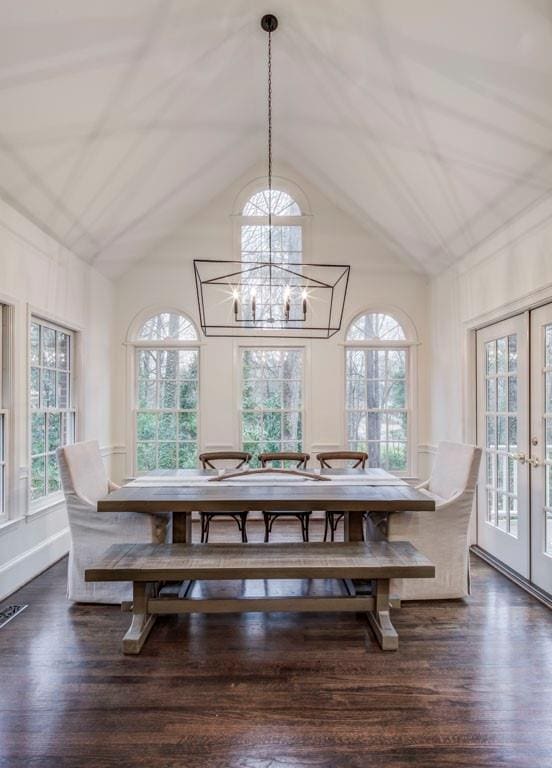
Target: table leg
<point x="380" y="621"/>
<point x="182" y="527"/>
<point x="353" y="526"/>
<point x="142" y="622"/>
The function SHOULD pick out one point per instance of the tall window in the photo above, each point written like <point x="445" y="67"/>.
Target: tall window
<point x="287" y="250"/>
<point x="167" y="392"/>
<point x="51" y="403"/>
<point x="377" y="390"/>
<point x="271" y="400"/>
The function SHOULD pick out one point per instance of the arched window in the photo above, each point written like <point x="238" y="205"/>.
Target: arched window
<point x="377" y="390"/>
<point x="284" y="240"/>
<point x="166" y="393"/>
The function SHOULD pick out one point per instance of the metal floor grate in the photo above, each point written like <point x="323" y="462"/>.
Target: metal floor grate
<point x="10" y="612"/>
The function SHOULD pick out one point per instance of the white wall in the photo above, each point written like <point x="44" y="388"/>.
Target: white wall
<point x="37" y="274"/>
<point x="509" y="272"/>
<point x="165" y="278"/>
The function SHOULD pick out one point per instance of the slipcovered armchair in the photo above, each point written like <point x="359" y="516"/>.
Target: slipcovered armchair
<point x="441" y="535"/>
<point x="84" y="482"/>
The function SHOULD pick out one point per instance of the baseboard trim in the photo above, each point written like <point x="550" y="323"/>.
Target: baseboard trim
<point x="29" y="564"/>
<point x="521" y="581"/>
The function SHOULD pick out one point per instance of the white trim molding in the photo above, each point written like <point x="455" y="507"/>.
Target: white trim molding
<point x="21" y="569"/>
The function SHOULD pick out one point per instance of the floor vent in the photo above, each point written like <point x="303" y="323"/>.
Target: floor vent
<point x="10" y="612"/>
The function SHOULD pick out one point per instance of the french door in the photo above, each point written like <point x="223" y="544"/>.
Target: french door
<point x="502" y="427"/>
<point x="514" y="424"/>
<point x="541" y="447"/>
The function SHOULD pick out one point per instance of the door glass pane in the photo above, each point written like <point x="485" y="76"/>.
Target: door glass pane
<point x="501" y="433"/>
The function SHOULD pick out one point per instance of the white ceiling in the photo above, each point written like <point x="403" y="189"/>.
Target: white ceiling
<point x="429" y="120"/>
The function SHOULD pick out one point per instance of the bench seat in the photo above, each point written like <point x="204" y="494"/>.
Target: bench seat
<point x="148" y="564"/>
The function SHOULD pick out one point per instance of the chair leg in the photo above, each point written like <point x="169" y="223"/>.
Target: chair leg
<point x="267" y="526"/>
<point x="205" y="528"/>
<point x="244" y="527"/>
<point x="304" y="520"/>
<point x="326" y="526"/>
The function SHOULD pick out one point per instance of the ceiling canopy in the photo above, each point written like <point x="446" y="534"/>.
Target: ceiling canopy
<point x="430" y="121"/>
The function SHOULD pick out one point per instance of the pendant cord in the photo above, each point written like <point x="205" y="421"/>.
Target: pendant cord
<point x="270" y="162"/>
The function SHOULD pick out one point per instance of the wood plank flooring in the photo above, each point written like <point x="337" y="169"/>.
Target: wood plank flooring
<point x="471" y="684"/>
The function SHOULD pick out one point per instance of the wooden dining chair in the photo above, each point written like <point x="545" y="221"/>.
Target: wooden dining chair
<point x="210" y="461"/>
<point x="300" y="460"/>
<point x="357" y="460"/>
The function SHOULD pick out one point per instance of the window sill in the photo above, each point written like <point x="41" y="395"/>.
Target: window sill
<point x="48" y="504"/>
<point x="8" y="525"/>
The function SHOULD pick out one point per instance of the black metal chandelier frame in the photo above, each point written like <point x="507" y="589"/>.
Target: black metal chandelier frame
<point x="282" y="274"/>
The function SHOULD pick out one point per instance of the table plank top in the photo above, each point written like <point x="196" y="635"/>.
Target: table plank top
<point x="362" y="560"/>
<point x="238" y="496"/>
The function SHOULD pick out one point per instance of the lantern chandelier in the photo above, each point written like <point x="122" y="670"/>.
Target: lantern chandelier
<point x="276" y="295"/>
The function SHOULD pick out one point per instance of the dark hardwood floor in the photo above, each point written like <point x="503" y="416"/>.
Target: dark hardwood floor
<point x="471" y="684"/>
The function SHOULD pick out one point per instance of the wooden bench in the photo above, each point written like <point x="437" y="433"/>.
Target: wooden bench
<point x="148" y="564"/>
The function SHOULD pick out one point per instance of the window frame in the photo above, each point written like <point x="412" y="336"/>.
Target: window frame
<point x="239" y="349"/>
<point x="409" y="345"/>
<point x="50" y="499"/>
<point x="4" y="412"/>
<point x="134" y="345"/>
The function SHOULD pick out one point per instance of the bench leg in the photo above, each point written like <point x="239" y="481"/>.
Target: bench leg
<point x="142" y="622"/>
<point x="380" y="621"/>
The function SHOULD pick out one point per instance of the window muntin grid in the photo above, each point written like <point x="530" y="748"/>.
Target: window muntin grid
<point x="501" y="433"/>
<point x="167" y="326"/>
<point x="377" y="405"/>
<point x="284" y="240"/>
<point x="271" y="398"/>
<point x="52" y="415"/>
<point x="167" y="396"/>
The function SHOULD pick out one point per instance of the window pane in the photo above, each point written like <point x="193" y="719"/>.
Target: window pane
<point x="54" y="431"/>
<point x="167" y="325"/>
<point x="62" y="350"/>
<point x="147" y="394"/>
<point x="187" y="455"/>
<point x="35" y="344"/>
<point x="38" y="477"/>
<point x="52" y="423"/>
<point x="271" y="399"/>
<point x="54" y="483"/>
<point x="38" y="433"/>
<point x="168" y="389"/>
<point x="146" y="426"/>
<point x="375" y="326"/>
<point x="167" y="426"/>
<point x="48" y="388"/>
<point x="188" y="395"/>
<point x="167" y="455"/>
<point x="34" y="393"/>
<point x="63" y="390"/>
<point x="146" y="457"/>
<point x="187" y="426"/>
<point x="48" y="347"/>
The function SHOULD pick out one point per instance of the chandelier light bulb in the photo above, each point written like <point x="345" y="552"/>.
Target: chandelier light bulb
<point x="304" y="298"/>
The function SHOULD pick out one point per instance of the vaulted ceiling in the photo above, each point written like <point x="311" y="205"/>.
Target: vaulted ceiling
<point x="428" y="120"/>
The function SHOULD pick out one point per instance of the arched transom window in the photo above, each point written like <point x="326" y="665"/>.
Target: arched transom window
<point x="284" y="240"/>
<point x="167" y="393"/>
<point x="377" y="418"/>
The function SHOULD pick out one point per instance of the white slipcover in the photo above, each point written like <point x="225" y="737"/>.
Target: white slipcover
<point x="441" y="535"/>
<point x="84" y="482"/>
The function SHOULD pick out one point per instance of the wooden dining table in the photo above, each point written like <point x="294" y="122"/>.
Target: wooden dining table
<point x="180" y="493"/>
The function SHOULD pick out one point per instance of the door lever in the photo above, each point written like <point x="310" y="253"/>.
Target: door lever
<point x="534" y="462"/>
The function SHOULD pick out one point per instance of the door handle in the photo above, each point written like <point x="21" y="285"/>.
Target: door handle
<point x="521" y="457"/>
<point x="534" y="462"/>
